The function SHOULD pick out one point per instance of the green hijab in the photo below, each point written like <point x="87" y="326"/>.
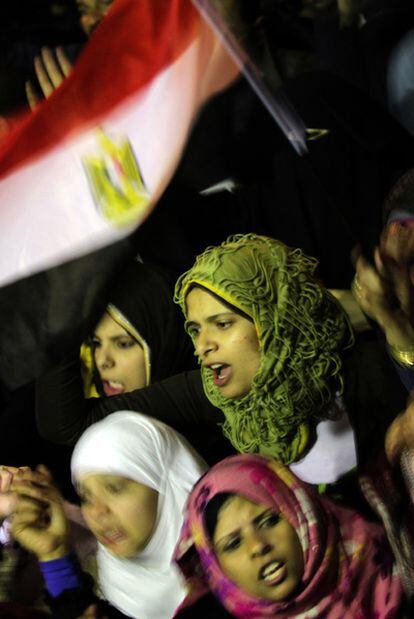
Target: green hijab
<point x="302" y="331"/>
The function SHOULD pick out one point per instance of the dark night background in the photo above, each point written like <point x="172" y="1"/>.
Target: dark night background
<point x="26" y="26"/>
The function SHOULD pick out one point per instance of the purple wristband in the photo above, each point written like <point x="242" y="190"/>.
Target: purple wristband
<point x="61" y="574"/>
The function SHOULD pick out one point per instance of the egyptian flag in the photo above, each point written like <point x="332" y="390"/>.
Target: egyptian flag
<point x="85" y="169"/>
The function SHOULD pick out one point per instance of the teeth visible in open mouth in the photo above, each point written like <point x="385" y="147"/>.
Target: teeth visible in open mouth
<point x="217" y="367"/>
<point x="114" y="384"/>
<point x="113" y="533"/>
<point x="269" y="572"/>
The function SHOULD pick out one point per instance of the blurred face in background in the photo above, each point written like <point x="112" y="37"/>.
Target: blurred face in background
<point x="120" y="512"/>
<point x="118" y="357"/>
<point x="92" y="12"/>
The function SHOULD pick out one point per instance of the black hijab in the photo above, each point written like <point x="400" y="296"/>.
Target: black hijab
<point x="142" y="303"/>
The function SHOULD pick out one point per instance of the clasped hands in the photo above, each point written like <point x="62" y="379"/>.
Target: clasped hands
<point x="34" y="507"/>
<point x="385" y="292"/>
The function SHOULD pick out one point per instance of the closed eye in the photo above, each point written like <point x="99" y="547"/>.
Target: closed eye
<point x="114" y="488"/>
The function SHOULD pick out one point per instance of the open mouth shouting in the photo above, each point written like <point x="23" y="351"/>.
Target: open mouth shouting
<point x="273" y="573"/>
<point x="221" y="373"/>
<point x="111" y="537"/>
<point x="112" y="387"/>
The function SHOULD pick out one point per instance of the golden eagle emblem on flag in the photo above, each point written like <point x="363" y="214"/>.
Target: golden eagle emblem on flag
<point x="114" y="176"/>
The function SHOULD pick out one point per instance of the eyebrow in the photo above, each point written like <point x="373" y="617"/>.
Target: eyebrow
<point x="113" y="338"/>
<point x="213" y="318"/>
<point x="255" y="521"/>
<point x="106" y="477"/>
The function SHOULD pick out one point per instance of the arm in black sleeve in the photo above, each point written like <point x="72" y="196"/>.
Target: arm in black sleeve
<point x="63" y="413"/>
<point x="72" y="603"/>
<point x="373" y="393"/>
<point x="406" y="375"/>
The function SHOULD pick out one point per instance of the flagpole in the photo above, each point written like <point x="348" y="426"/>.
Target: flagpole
<point x="277" y="104"/>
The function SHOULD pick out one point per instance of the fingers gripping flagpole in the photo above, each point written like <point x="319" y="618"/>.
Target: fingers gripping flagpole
<point x="277" y="104"/>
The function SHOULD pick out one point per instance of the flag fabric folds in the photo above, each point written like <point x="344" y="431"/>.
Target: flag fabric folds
<point x="86" y="168"/>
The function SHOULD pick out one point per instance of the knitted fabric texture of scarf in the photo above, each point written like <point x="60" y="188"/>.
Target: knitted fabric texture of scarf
<point x="301" y="330"/>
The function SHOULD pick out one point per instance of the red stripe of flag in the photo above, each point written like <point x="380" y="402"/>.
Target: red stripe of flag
<point x="150" y="35"/>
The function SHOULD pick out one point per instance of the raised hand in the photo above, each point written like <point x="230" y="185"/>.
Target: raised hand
<point x="91" y="13"/>
<point x="39" y="522"/>
<point x="92" y="612"/>
<point x="51" y="69"/>
<point x="7" y="497"/>
<point x="400" y="434"/>
<point x="397" y="254"/>
<point x="349" y="11"/>
<point x="386" y="294"/>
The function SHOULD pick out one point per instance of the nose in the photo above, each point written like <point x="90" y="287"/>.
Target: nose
<point x="97" y="510"/>
<point x="103" y="359"/>
<point x="204" y="344"/>
<point x="258" y="546"/>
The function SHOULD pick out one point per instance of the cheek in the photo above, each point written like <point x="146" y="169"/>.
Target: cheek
<point x="253" y="342"/>
<point x="297" y="557"/>
<point x="247" y="342"/>
<point x="132" y="364"/>
<point x="89" y="519"/>
<point x="236" y="569"/>
<point x="241" y="344"/>
<point x="137" y="374"/>
<point x="138" y="355"/>
<point x="288" y="538"/>
<point x="138" y="517"/>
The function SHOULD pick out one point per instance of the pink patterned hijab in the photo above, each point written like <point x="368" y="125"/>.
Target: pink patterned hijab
<point x="348" y="567"/>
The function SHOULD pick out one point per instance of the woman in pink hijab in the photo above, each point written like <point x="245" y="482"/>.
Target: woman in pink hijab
<point x="267" y="545"/>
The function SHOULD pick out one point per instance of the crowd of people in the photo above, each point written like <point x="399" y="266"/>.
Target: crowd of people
<point x="235" y="437"/>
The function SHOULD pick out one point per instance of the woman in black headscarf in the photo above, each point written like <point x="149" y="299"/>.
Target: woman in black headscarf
<point x="139" y="340"/>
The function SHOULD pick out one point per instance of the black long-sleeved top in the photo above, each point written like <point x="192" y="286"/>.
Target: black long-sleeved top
<point x="71" y="603"/>
<point x="179" y="401"/>
<point x="373" y="396"/>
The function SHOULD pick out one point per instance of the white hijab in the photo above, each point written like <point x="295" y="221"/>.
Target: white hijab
<point x="147" y="451"/>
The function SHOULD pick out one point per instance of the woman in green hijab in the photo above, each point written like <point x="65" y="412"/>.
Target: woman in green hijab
<point x="292" y="353"/>
<point x="279" y="374"/>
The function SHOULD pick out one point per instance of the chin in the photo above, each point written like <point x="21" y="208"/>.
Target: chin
<point x="233" y="394"/>
<point x="284" y="594"/>
<point x="121" y="553"/>
<point x="127" y="553"/>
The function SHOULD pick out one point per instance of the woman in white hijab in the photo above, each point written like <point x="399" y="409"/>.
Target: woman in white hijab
<point x="133" y="474"/>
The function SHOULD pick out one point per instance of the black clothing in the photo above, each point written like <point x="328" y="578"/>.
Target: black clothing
<point x="20" y="443"/>
<point x="48" y="312"/>
<point x="207" y="607"/>
<point x="373" y="396"/>
<point x="179" y="401"/>
<point x="324" y="202"/>
<point x="361" y="54"/>
<point x="71" y="603"/>
<point x="144" y="295"/>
